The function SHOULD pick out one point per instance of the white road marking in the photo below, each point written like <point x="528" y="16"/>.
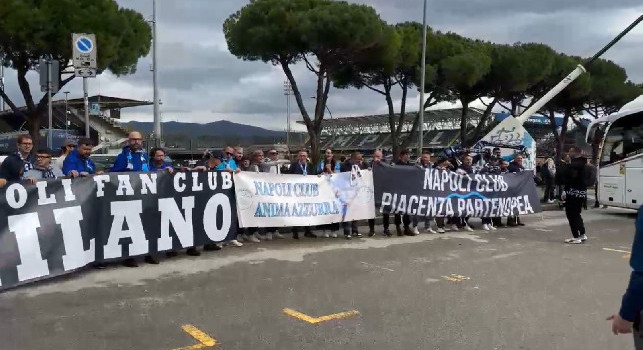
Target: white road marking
<point x="507" y="255"/>
<point x="617" y="250"/>
<point x="377" y="267"/>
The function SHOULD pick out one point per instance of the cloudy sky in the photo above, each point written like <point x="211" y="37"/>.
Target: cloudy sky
<point x="200" y="81"/>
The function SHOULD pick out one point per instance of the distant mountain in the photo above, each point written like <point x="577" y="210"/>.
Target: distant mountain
<point x="218" y="128"/>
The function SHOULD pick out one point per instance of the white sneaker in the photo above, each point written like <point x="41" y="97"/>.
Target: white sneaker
<point x="416" y="231"/>
<point x="486" y="227"/>
<point x="468" y="228"/>
<point x="573" y="241"/>
<point x="258" y="237"/>
<point x="235" y="243"/>
<point x="583" y="238"/>
<point x="326" y="235"/>
<point x="493" y="228"/>
<point x="430" y="230"/>
<point x="268" y="236"/>
<point x="454" y="228"/>
<point x="278" y="235"/>
<point x="441" y="230"/>
<point x="333" y="234"/>
<point x="550" y="201"/>
<point x="252" y="239"/>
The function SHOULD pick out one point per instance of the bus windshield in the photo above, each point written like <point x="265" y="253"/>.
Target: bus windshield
<point x="624" y="139"/>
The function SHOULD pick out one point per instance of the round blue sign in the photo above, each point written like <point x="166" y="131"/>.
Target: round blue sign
<point x="84" y="45"/>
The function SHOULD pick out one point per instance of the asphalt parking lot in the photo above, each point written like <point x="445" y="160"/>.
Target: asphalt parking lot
<point x="515" y="288"/>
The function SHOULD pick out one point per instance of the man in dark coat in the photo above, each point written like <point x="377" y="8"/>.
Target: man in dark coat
<point x="302" y="167"/>
<point x="406" y="219"/>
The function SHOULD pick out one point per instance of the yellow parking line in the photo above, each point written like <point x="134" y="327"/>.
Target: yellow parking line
<point x="314" y="320"/>
<point x="205" y="341"/>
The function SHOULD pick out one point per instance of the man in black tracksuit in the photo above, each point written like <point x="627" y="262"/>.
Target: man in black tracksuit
<point x="575" y="177"/>
<point x="406" y="219"/>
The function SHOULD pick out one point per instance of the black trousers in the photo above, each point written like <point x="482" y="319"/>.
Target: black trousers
<point x="399" y="219"/>
<point x="330" y="227"/>
<point x="349" y="227"/>
<point x="573" y="209"/>
<point x="549" y="190"/>
<point x="295" y="230"/>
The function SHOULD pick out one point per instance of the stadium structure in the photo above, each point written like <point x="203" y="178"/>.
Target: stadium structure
<point x="68" y="119"/>
<point x="442" y="129"/>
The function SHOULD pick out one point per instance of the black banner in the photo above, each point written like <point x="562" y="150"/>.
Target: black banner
<point x="55" y="227"/>
<point x="440" y="193"/>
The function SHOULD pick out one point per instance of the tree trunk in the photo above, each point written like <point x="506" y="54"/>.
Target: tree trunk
<point x="483" y="121"/>
<point x="392" y="121"/>
<point x="463" y="119"/>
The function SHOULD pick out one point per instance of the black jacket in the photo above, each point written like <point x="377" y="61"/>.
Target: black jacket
<point x="515" y="167"/>
<point x="577" y="175"/>
<point x="296" y="168"/>
<point x="348" y="165"/>
<point x="12" y="168"/>
<point x="399" y="162"/>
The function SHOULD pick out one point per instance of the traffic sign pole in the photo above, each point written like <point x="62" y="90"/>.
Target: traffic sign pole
<point x="84" y="54"/>
<point x="50" y="135"/>
<point x="86" y="103"/>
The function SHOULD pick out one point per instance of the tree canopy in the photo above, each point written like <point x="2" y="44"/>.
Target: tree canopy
<point x="350" y="46"/>
<point x="326" y="35"/>
<point x="31" y="29"/>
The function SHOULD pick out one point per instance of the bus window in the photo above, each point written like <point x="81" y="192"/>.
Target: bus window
<point x="624" y="139"/>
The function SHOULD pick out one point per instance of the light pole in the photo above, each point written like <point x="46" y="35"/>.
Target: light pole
<point x="422" y="82"/>
<point x="1" y="86"/>
<point x="157" y="119"/>
<point x="66" y="113"/>
<point x="287" y="92"/>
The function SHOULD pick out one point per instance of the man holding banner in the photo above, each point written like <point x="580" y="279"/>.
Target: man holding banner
<point x="78" y="163"/>
<point x="302" y="167"/>
<point x="405" y="154"/>
<point x="133" y="158"/>
<point x="353" y="165"/>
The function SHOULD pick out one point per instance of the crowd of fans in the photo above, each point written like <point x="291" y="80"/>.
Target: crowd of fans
<point x="75" y="161"/>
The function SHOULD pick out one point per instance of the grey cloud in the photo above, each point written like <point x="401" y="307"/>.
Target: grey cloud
<point x="200" y="81"/>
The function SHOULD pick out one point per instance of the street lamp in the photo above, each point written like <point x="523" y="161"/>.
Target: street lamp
<point x="287" y="93"/>
<point x="422" y="82"/>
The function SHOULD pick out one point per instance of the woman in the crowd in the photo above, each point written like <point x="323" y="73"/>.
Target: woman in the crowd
<point x="548" y="173"/>
<point x="328" y="166"/>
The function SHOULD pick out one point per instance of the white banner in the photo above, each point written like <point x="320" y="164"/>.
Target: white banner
<point x="277" y="200"/>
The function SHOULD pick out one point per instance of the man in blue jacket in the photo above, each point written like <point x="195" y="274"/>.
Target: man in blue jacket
<point x="132" y="158"/>
<point x="628" y="320"/>
<point x="78" y="163"/>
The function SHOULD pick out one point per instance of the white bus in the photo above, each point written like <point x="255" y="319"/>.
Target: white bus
<point x="620" y="174"/>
